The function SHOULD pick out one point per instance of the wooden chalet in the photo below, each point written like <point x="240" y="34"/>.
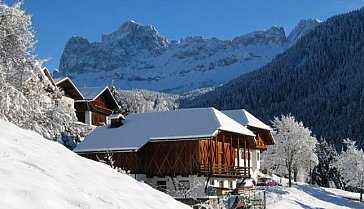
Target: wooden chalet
<point x="200" y="142"/>
<point x="69" y="88"/>
<point x="93" y="104"/>
<point x="96" y="105"/>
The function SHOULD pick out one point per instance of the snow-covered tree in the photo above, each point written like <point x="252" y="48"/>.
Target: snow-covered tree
<point x="188" y="188"/>
<point x="108" y="159"/>
<point x="294" y="150"/>
<point x="28" y="99"/>
<point x="350" y="164"/>
<point x="140" y="100"/>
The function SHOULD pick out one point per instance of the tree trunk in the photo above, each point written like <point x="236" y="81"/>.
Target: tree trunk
<point x="295" y="173"/>
<point x="361" y="195"/>
<point x="289" y="176"/>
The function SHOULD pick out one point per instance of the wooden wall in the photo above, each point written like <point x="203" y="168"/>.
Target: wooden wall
<point x="219" y="155"/>
<point x="98" y="119"/>
<point x="169" y="158"/>
<point x="99" y="101"/>
<point x="215" y="156"/>
<point x="125" y="160"/>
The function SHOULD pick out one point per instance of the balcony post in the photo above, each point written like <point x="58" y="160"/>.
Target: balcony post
<point x="238" y="153"/>
<point x="245" y="157"/>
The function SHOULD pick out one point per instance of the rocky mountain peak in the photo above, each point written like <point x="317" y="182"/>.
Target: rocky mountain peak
<point x="137" y="56"/>
<point x="272" y="36"/>
<point x="131" y="31"/>
<point x="302" y="28"/>
<point x="77" y="44"/>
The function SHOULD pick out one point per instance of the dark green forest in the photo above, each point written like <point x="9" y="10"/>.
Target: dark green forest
<point x="319" y="80"/>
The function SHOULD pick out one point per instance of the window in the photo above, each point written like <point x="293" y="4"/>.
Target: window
<point x="258" y="156"/>
<point x="244" y="155"/>
<point x="231" y="184"/>
<point x="221" y="184"/>
<point x="162" y="186"/>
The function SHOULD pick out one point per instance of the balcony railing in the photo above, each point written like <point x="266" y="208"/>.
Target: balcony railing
<point x="219" y="170"/>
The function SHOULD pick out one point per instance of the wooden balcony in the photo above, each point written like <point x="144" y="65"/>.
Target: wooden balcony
<point x="227" y="171"/>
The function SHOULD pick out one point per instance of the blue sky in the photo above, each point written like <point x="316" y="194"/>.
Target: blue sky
<point x="57" y="20"/>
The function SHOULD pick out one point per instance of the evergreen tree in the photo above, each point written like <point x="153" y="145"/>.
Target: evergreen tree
<point x="323" y="173"/>
<point x="319" y="80"/>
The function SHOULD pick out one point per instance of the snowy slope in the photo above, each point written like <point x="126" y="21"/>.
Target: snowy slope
<point x="137" y="56"/>
<point x="307" y="196"/>
<point x="37" y="173"/>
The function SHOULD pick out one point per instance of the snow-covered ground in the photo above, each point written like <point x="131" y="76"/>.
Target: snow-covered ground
<point x="37" y="173"/>
<point x="308" y="196"/>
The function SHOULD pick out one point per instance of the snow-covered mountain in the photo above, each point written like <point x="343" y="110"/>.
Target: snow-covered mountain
<point x="38" y="173"/>
<point x="137" y="56"/>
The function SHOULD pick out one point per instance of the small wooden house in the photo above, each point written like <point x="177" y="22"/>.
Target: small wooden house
<point x="186" y="145"/>
<point x="96" y="105"/>
<point x="93" y="104"/>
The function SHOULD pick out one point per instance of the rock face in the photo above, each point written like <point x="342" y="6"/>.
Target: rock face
<point x="137" y="56"/>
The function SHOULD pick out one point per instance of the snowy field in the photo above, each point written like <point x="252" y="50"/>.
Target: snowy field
<point x="304" y="196"/>
<point x="37" y="173"/>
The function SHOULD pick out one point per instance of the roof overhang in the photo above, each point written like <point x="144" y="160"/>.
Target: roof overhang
<point x="268" y="136"/>
<point x="103" y="150"/>
<point x="72" y="84"/>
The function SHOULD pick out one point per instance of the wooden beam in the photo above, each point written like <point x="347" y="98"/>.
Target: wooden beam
<point x="249" y="159"/>
<point x="232" y="153"/>
<point x="244" y="153"/>
<point x="216" y="150"/>
<point x="238" y="152"/>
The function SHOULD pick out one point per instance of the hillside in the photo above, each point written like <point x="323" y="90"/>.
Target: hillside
<point x="38" y="173"/>
<point x="137" y="56"/>
<point x="308" y="196"/>
<point x="319" y="80"/>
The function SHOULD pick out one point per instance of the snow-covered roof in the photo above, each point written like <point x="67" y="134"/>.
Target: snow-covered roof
<point x="57" y="80"/>
<point x="91" y="93"/>
<point x="61" y="80"/>
<point x="139" y="128"/>
<point x="246" y="119"/>
<point x="116" y="116"/>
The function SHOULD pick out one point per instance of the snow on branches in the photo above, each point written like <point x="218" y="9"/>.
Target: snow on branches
<point x="350" y="164"/>
<point x="294" y="150"/>
<point x="27" y="97"/>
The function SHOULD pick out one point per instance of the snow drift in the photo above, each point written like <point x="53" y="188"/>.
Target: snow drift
<point x="37" y="173"/>
<point x="308" y="196"/>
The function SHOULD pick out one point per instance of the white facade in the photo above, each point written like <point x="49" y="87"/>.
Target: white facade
<point x="254" y="161"/>
<point x="255" y="154"/>
<point x="88" y="117"/>
<point x="192" y="186"/>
